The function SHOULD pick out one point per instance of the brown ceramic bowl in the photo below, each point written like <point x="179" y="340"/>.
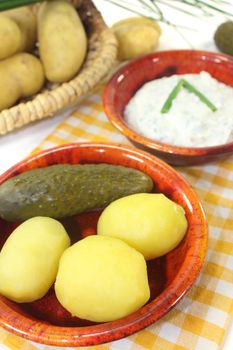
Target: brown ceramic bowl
<point x="170" y="277"/>
<point x="128" y="79"/>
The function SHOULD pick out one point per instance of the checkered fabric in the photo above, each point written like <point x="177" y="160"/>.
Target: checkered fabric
<point x="202" y="317"/>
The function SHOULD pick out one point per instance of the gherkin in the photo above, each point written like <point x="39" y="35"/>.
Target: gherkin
<point x="223" y="37"/>
<point x="64" y="190"/>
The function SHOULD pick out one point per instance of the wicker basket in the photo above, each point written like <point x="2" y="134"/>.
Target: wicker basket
<point x="102" y="49"/>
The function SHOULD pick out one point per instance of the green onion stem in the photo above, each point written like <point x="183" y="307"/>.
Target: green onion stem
<point x="184" y="83"/>
<point x="10" y="4"/>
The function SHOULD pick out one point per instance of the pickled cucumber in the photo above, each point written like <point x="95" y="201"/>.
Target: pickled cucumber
<point x="64" y="190"/>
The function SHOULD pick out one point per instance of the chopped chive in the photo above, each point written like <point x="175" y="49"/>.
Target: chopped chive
<point x="184" y="83"/>
<point x="168" y="103"/>
<point x="202" y="97"/>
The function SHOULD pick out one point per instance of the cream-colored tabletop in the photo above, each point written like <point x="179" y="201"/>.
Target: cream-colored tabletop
<point x="202" y="320"/>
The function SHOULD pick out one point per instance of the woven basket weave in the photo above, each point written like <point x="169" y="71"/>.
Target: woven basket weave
<point x="102" y="50"/>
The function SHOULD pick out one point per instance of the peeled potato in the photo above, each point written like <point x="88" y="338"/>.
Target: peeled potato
<point x="29" y="259"/>
<point x="136" y="36"/>
<point x="149" y="222"/>
<point x="102" y="279"/>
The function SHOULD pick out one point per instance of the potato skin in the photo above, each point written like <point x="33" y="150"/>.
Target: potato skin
<point x="136" y="36"/>
<point x="62" y="40"/>
<point x="27" y="23"/>
<point x="22" y="75"/>
<point x="149" y="222"/>
<point x="10" y="37"/>
<point x="102" y="279"/>
<point x="138" y="21"/>
<point x="29" y="259"/>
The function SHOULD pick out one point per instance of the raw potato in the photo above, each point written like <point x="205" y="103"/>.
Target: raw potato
<point x="102" y="279"/>
<point x="27" y="23"/>
<point x="29" y="259"/>
<point x="21" y="75"/>
<point x="62" y="41"/>
<point x="136" y="36"/>
<point x="10" y="37"/>
<point x="137" y="21"/>
<point x="149" y="222"/>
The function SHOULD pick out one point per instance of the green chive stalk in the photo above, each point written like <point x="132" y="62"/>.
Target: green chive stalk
<point x="202" y="97"/>
<point x="168" y="103"/>
<point x="10" y="4"/>
<point x="156" y="9"/>
<point x="184" y="83"/>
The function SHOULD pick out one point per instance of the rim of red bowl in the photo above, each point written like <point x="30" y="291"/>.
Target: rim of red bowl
<point x="45" y="333"/>
<point x="118" y="121"/>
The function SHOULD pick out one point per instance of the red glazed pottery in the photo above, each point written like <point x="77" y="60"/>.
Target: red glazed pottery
<point x="170" y="277"/>
<point x="128" y="79"/>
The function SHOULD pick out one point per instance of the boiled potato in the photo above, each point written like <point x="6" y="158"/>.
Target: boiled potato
<point x="29" y="259"/>
<point x="62" y="40"/>
<point x="10" y="37"/>
<point x="136" y="36"/>
<point x="27" y="23"/>
<point x="21" y="75"/>
<point x="149" y="222"/>
<point x="102" y="279"/>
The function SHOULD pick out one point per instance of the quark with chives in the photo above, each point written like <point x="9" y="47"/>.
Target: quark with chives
<point x="189" y="122"/>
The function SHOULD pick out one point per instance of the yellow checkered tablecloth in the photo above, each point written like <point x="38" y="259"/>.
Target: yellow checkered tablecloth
<point x="202" y="317"/>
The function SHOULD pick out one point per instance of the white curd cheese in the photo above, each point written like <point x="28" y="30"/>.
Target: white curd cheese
<point x="189" y="122"/>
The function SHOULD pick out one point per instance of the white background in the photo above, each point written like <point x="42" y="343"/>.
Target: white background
<point x="18" y="144"/>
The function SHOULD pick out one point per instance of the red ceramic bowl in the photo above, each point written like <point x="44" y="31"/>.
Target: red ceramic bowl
<point x="128" y="79"/>
<point x="170" y="277"/>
